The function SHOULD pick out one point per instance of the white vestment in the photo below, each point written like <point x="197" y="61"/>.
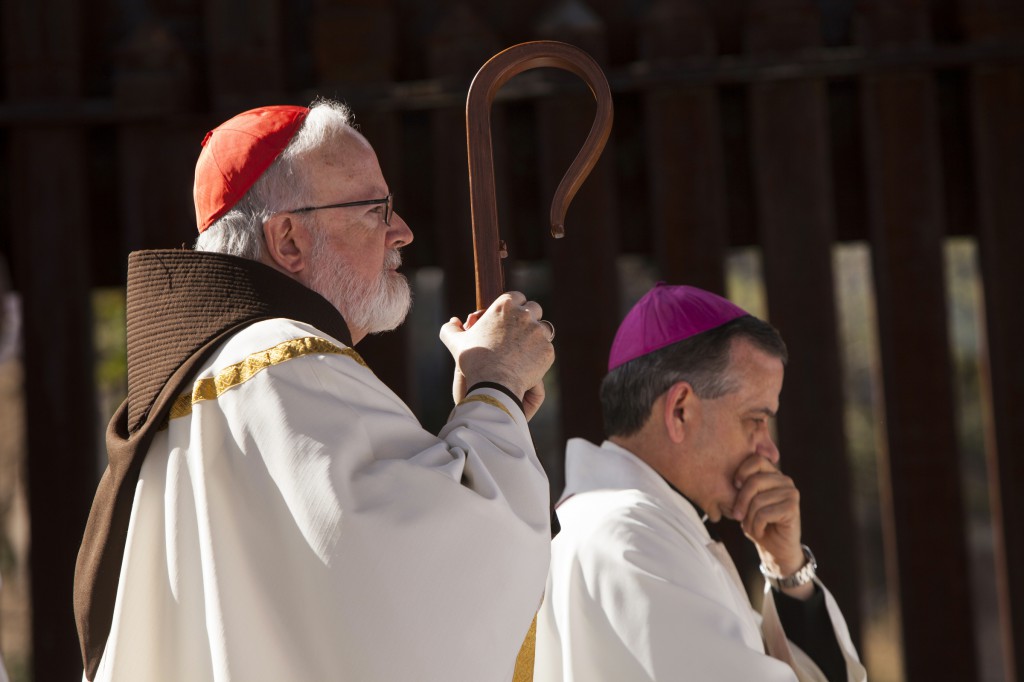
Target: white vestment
<point x="295" y="522"/>
<point x="636" y="592"/>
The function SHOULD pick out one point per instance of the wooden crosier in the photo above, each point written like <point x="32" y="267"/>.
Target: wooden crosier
<point x="488" y="249"/>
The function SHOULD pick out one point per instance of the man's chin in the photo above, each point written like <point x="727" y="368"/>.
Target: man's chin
<point x="398" y="310"/>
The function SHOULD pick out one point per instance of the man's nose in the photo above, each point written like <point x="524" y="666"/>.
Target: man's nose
<point x="400" y="234"/>
<point x="767" y="449"/>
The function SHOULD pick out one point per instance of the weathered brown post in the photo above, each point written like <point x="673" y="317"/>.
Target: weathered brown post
<point x="244" y="53"/>
<point x="907" y="226"/>
<point x="155" y="91"/>
<point x="793" y="186"/>
<point x="684" y="149"/>
<point x="49" y="211"/>
<point x="997" y="107"/>
<point x="353" y="44"/>
<point x="457" y="49"/>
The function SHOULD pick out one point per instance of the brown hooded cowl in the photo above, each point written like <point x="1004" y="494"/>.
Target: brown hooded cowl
<point x="181" y="306"/>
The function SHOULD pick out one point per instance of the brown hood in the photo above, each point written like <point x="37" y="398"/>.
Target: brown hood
<point x="181" y="306"/>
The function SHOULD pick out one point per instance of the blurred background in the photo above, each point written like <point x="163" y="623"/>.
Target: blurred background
<point x="851" y="170"/>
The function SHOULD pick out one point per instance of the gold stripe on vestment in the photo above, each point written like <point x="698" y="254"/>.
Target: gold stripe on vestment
<point x="211" y="388"/>
<point x="488" y="400"/>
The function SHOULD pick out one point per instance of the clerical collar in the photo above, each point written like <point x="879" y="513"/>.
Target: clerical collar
<point x="712" y="531"/>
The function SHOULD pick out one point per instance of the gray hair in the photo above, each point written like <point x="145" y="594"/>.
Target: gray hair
<point x="239" y="232"/>
<point x="629" y="391"/>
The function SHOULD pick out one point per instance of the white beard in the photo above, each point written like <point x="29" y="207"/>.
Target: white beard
<point x="373" y="306"/>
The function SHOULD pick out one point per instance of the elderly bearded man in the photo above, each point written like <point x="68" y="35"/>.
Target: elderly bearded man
<point x="272" y="511"/>
<point x="638" y="588"/>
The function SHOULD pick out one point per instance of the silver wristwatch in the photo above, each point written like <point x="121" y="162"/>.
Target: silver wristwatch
<point x="802" y="577"/>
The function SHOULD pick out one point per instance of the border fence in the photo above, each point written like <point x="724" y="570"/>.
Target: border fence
<point x="789" y="127"/>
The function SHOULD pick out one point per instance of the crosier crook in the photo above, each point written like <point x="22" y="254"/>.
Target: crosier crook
<point x="487" y="249"/>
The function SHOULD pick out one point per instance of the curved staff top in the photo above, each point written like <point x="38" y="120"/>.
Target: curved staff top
<point x="488" y="80"/>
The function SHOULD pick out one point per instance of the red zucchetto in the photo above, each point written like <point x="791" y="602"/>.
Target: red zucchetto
<point x="236" y="153"/>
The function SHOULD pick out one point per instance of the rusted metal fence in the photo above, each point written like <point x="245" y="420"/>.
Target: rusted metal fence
<point x="790" y="125"/>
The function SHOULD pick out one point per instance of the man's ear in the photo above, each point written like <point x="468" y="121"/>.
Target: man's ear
<point x="288" y="244"/>
<point x="678" y="409"/>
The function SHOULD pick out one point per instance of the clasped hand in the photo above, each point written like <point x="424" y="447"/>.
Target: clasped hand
<point x="504" y="344"/>
<point x="767" y="506"/>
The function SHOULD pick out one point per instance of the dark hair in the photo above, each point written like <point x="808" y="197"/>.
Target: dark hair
<point x="628" y="392"/>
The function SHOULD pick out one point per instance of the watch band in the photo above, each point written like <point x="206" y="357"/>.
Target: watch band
<point x="803" y="576"/>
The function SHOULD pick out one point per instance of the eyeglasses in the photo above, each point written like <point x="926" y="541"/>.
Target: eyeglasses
<point x="387" y="201"/>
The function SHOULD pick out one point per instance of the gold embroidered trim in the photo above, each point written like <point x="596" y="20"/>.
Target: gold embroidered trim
<point x="211" y="388"/>
<point x="486" y="399"/>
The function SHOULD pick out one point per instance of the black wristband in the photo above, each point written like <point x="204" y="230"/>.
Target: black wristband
<point x="498" y="387"/>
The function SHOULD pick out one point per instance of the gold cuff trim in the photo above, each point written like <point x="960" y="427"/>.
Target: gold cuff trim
<point x="486" y="399"/>
<point x="211" y="388"/>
